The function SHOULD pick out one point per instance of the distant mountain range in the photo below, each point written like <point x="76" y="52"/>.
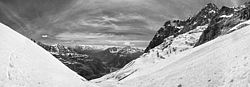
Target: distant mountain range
<point x="176" y="36"/>
<point x="209" y="49"/>
<point x="93" y="61"/>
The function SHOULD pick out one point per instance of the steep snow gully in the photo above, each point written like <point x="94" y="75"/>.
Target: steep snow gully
<point x="25" y="64"/>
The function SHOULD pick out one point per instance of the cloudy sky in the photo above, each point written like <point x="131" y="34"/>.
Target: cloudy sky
<point x="99" y="22"/>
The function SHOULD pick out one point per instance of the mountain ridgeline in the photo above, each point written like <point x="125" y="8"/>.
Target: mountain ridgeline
<point x="91" y="62"/>
<point x="174" y="37"/>
<point x="210" y="49"/>
<point x="177" y="36"/>
<point x="217" y="22"/>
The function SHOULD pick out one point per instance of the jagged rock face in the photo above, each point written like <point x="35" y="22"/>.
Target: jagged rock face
<point x="226" y="10"/>
<point x="223" y="21"/>
<point x="160" y="36"/>
<point x="202" y="18"/>
<point x="244" y="13"/>
<point x="177" y="27"/>
<point x="172" y="43"/>
<point x="219" y="22"/>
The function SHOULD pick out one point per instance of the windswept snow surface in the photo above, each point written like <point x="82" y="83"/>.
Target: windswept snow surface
<point x="25" y="64"/>
<point x="222" y="62"/>
<point x="153" y="60"/>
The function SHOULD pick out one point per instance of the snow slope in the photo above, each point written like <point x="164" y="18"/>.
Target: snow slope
<point x="152" y="61"/>
<point x="25" y="64"/>
<point x="222" y="62"/>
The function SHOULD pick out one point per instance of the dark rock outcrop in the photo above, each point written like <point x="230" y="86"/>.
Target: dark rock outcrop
<point x="176" y="27"/>
<point x="223" y="21"/>
<point x="219" y="22"/>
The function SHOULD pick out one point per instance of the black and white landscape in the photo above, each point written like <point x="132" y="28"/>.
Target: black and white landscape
<point x="93" y="61"/>
<point x="124" y="43"/>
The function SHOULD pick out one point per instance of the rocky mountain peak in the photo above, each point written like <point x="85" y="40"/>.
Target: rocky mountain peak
<point x="209" y="9"/>
<point x="211" y="5"/>
<point x="244" y="13"/>
<point x="176" y="27"/>
<point x="205" y="14"/>
<point x="178" y="36"/>
<point x="218" y="22"/>
<point x="226" y="10"/>
<point x="224" y="21"/>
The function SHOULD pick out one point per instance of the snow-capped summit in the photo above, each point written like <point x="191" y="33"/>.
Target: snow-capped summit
<point x="25" y="64"/>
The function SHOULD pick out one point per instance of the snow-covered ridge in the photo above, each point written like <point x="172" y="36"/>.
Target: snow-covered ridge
<point x="222" y="62"/>
<point x="174" y="47"/>
<point x="173" y="44"/>
<point x="25" y="64"/>
<point x="147" y="63"/>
